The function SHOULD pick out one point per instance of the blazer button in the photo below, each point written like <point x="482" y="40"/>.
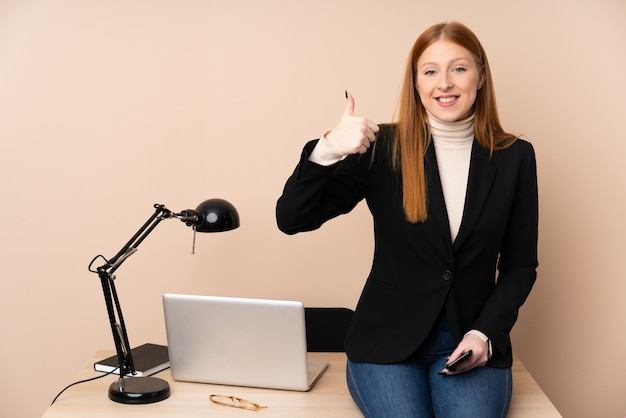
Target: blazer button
<point x="447" y="275"/>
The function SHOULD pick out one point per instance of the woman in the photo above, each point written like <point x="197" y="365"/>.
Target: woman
<point x="454" y="204"/>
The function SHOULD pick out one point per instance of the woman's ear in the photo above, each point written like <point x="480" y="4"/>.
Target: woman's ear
<point x="481" y="81"/>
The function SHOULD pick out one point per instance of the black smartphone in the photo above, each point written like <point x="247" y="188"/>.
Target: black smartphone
<point x="452" y="366"/>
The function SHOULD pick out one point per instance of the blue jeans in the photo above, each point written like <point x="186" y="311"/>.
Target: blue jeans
<point x="415" y="389"/>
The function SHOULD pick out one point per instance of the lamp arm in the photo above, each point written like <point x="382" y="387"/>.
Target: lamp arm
<point x="160" y="213"/>
<point x="118" y="328"/>
<point x="107" y="279"/>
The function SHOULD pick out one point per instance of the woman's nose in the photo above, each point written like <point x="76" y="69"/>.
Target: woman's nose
<point x="445" y="82"/>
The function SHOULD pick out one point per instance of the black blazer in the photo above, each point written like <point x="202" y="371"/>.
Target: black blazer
<point x="417" y="272"/>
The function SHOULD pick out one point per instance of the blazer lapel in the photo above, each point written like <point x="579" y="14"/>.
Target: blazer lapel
<point x="481" y="175"/>
<point x="436" y="203"/>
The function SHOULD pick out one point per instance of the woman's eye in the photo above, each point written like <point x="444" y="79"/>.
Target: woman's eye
<point x="459" y="69"/>
<point x="429" y="72"/>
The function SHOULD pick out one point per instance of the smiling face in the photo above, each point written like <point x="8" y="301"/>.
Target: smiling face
<point x="447" y="80"/>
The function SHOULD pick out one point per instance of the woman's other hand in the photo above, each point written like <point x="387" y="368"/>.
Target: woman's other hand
<point x="479" y="357"/>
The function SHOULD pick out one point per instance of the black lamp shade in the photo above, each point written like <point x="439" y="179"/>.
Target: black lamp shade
<point x="216" y="215"/>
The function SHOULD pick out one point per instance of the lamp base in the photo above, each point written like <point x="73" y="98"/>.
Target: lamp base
<point x="139" y="390"/>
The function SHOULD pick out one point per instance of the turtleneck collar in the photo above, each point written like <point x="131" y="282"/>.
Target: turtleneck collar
<point x="459" y="133"/>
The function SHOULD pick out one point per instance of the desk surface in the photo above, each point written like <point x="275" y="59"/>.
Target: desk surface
<point x="328" y="398"/>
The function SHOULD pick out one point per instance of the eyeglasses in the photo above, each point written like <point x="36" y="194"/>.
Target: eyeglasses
<point x="234" y="402"/>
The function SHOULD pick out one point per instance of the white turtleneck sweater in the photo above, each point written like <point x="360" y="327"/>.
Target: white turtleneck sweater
<point x="453" y="147"/>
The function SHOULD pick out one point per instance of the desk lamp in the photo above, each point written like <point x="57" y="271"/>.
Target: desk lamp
<point x="213" y="215"/>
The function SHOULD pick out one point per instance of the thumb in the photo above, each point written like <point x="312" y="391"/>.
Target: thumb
<point x="349" y="111"/>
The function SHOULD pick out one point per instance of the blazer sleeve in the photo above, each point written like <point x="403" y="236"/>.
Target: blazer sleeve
<point x="517" y="262"/>
<point x="314" y="194"/>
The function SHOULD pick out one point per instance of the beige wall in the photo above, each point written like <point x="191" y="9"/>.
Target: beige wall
<point x="107" y="107"/>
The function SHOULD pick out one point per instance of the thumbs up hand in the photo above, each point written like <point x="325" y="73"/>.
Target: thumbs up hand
<point x="353" y="134"/>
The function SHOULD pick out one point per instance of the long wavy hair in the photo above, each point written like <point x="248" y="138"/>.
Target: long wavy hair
<point x="413" y="137"/>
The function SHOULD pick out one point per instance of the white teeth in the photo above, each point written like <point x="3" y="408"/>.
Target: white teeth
<point x="446" y="99"/>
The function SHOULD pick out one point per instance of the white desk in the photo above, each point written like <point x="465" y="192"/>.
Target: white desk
<point x="329" y="397"/>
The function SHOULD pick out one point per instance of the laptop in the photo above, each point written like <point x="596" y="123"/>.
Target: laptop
<point x="239" y="342"/>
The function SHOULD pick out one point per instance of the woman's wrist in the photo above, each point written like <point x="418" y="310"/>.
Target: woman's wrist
<point x="325" y="152"/>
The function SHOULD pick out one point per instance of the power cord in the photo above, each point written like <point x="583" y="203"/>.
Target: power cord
<point x="83" y="381"/>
